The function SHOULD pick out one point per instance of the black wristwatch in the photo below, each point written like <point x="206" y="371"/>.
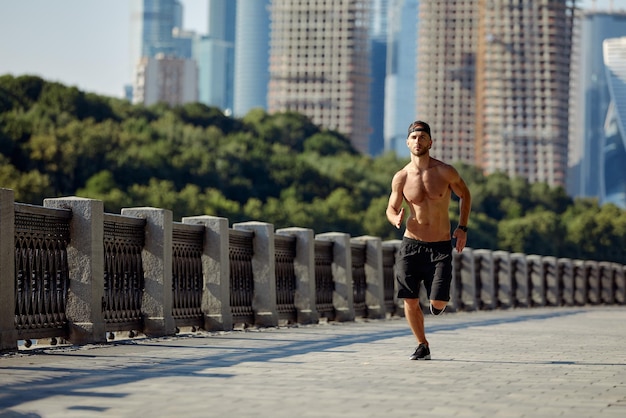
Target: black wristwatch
<point x="462" y="228"/>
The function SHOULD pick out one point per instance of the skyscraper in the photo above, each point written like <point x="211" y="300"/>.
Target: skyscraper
<point x="215" y="55"/>
<point x="252" y="51"/>
<point x="614" y="145"/>
<point x="493" y="78"/>
<point x="319" y="64"/>
<point x="378" y="72"/>
<point x="593" y="104"/>
<point x="161" y="54"/>
<point x="165" y="79"/>
<point x="401" y="74"/>
<point x="152" y="23"/>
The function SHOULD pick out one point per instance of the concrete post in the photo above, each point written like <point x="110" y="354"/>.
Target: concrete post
<point x="606" y="274"/>
<point x="216" y="272"/>
<point x="581" y="283"/>
<point x="398" y="304"/>
<point x="466" y="274"/>
<point x="156" y="259"/>
<point x="343" y="297"/>
<point x="85" y="258"/>
<point x="485" y="279"/>
<point x="537" y="280"/>
<point x="304" y="266"/>
<point x="551" y="281"/>
<point x="566" y="276"/>
<point x="264" y="272"/>
<point x="8" y="333"/>
<point x="503" y="279"/>
<point x="375" y="285"/>
<point x="592" y="272"/>
<point x="519" y="269"/>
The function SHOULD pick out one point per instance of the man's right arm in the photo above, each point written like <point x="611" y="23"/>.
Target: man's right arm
<point x="395" y="211"/>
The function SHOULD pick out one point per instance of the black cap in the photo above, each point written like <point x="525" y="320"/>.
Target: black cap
<point x="419" y="125"/>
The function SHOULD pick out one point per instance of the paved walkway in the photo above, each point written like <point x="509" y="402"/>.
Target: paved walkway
<point x="541" y="362"/>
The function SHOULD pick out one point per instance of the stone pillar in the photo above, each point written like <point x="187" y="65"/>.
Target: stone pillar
<point x="485" y="279"/>
<point x="375" y="285"/>
<point x="85" y="257"/>
<point x="398" y="304"/>
<point x="620" y="284"/>
<point x="8" y="333"/>
<point x="581" y="283"/>
<point x="519" y="269"/>
<point x="264" y="272"/>
<point x="566" y="276"/>
<point x="466" y="274"/>
<point x="592" y="273"/>
<point x="304" y="266"/>
<point x="503" y="279"/>
<point x="216" y="272"/>
<point x="537" y="280"/>
<point x="343" y="297"/>
<point x="606" y="272"/>
<point x="551" y="281"/>
<point x="156" y="257"/>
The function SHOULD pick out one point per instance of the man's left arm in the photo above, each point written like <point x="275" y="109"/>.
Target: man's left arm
<point x="465" y="203"/>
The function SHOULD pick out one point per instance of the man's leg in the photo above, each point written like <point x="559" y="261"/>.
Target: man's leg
<point x="415" y="318"/>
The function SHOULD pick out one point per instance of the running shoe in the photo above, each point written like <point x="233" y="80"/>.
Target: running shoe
<point x="436" y="311"/>
<point x="422" y="352"/>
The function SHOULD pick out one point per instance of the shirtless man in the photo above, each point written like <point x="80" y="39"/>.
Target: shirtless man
<point x="425" y="255"/>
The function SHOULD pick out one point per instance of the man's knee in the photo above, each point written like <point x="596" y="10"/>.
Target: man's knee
<point x="411" y="303"/>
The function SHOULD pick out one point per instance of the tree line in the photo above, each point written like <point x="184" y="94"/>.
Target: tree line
<point x="56" y="140"/>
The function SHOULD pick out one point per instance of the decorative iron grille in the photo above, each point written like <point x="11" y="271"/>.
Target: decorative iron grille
<point x="324" y="283"/>
<point x="187" y="278"/>
<point x="124" y="239"/>
<point x="41" y="270"/>
<point x="359" y="283"/>
<point x="285" y="254"/>
<point x="241" y="276"/>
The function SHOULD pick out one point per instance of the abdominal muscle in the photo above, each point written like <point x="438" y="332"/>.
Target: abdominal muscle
<point x="428" y="222"/>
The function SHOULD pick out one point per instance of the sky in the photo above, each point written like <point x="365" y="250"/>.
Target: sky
<point x="86" y="43"/>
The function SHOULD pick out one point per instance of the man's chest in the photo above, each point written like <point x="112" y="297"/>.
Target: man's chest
<point x="425" y="186"/>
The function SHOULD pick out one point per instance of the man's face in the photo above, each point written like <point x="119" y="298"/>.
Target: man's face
<point x="419" y="143"/>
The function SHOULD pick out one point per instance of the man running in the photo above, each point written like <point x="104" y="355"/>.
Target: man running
<point x="426" y="184"/>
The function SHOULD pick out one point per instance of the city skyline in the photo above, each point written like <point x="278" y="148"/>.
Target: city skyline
<point x="87" y="42"/>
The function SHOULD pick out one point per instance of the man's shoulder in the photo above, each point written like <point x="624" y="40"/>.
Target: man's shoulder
<point x="401" y="175"/>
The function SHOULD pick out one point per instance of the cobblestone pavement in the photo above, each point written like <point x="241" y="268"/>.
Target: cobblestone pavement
<point x="539" y="362"/>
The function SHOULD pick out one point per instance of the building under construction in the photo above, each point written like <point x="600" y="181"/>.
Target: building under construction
<point x="319" y="64"/>
<point x="494" y="83"/>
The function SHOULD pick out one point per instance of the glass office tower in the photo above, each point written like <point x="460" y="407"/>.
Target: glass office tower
<point x="613" y="159"/>
<point x="595" y="99"/>
<point x="252" y="49"/>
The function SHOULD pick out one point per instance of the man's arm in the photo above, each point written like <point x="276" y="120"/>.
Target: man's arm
<point x="458" y="186"/>
<point x="395" y="211"/>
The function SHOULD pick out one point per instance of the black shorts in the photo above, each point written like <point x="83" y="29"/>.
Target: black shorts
<point x="428" y="262"/>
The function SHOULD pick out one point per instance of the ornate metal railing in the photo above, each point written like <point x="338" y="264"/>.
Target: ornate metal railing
<point x="41" y="271"/>
<point x="285" y="254"/>
<point x="241" y="275"/>
<point x="359" y="283"/>
<point x="123" y="272"/>
<point x="389" y="259"/>
<point x="324" y="284"/>
<point x="187" y="277"/>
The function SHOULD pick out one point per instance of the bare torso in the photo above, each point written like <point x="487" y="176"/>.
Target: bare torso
<point x="427" y="192"/>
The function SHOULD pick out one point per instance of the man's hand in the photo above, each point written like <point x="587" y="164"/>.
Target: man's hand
<point x="461" y="239"/>
<point x="398" y="219"/>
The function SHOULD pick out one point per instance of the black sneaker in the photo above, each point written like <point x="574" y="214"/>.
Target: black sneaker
<point x="422" y="352"/>
<point x="436" y="311"/>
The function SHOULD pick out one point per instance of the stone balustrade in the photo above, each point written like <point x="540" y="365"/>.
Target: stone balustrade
<point x="76" y="273"/>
